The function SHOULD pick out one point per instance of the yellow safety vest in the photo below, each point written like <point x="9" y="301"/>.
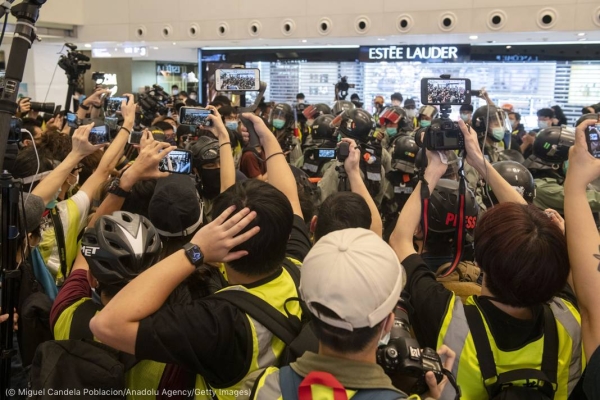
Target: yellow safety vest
<point x="145" y="374"/>
<point x="456" y="335"/>
<point x="266" y="348"/>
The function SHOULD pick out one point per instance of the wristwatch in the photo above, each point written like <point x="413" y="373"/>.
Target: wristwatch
<point x="193" y="254"/>
<point x="113" y="188"/>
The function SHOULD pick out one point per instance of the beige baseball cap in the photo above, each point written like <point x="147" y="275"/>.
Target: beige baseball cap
<point x="355" y="274"/>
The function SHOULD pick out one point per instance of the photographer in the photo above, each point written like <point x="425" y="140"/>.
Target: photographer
<point x="344" y="210"/>
<point x="209" y="336"/>
<point x="358" y="125"/>
<point x="364" y="267"/>
<point x="512" y="240"/>
<point x="582" y="241"/>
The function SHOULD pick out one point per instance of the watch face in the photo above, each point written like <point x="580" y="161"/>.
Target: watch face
<point x="195" y="254"/>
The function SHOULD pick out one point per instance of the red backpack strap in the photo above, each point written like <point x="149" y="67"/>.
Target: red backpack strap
<point x="323" y="379"/>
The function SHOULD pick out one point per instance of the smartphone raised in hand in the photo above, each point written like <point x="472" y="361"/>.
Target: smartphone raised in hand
<point x="592" y="137"/>
<point x="195" y="116"/>
<point x="254" y="140"/>
<point x="135" y="137"/>
<point x="177" y="162"/>
<point x="99" y="135"/>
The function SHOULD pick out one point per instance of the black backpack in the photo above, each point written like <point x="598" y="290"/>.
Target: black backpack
<point x="296" y="333"/>
<point x="80" y="365"/>
<point x="503" y="389"/>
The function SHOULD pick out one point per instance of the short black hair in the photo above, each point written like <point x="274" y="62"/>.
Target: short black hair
<point x="222" y="100"/>
<point x="341" y="340"/>
<point x="183" y="93"/>
<point x="164" y="126"/>
<point x="466" y="107"/>
<point x="174" y="87"/>
<point x="227" y="111"/>
<point x="342" y="210"/>
<point x="522" y="253"/>
<point x="397" y="96"/>
<point x="516" y="114"/>
<point x="354" y="96"/>
<point x="545" y="112"/>
<point x="300" y="96"/>
<point x="275" y="217"/>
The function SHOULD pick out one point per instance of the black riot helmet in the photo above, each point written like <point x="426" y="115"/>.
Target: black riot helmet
<point x="284" y="112"/>
<point x="443" y="205"/>
<point x="552" y="144"/>
<point x="404" y="154"/>
<point x="322" y="128"/>
<point x="119" y="247"/>
<point x="585" y="117"/>
<point x="316" y="110"/>
<point x="517" y="176"/>
<point x="490" y="116"/>
<point x="342" y="105"/>
<point x="511" y="155"/>
<point x="204" y="151"/>
<point x="356" y="124"/>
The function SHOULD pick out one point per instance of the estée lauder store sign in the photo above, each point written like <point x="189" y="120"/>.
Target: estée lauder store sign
<point x="429" y="53"/>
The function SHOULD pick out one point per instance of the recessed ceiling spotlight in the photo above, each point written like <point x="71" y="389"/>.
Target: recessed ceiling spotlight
<point x="304" y="40"/>
<point x="508" y="47"/>
<point x="582" y="39"/>
<point x="473" y="37"/>
<point x="88" y="45"/>
<point x="581" y="34"/>
<point x="174" y="43"/>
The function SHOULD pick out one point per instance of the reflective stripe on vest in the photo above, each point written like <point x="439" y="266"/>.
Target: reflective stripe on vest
<point x="266" y="348"/>
<point x="456" y="335"/>
<point x="268" y="387"/>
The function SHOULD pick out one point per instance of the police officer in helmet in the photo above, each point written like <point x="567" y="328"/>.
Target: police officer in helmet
<point x="282" y="121"/>
<point x="323" y="136"/>
<point x="516" y="175"/>
<point x="391" y="119"/>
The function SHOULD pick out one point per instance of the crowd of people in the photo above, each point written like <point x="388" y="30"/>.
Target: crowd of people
<point x="260" y="271"/>
<point x="237" y="81"/>
<point x="445" y="93"/>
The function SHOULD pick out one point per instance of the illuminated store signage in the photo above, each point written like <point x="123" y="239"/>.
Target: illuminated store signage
<point x="442" y="53"/>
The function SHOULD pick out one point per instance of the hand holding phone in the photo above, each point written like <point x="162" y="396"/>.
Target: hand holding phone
<point x="177" y="162"/>
<point x="254" y="140"/>
<point x="592" y="137"/>
<point x="135" y="137"/>
<point x="99" y="135"/>
<point x="195" y="116"/>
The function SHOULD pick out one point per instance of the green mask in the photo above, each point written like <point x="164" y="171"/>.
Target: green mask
<point x="391" y="131"/>
<point x="425" y="124"/>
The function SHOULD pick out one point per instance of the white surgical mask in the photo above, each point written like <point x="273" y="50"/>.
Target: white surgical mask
<point x="543" y="124"/>
<point x="514" y="123"/>
<point x="175" y="92"/>
<point x="300" y="101"/>
<point x="465" y="117"/>
<point x="383" y="341"/>
<point x="193" y="96"/>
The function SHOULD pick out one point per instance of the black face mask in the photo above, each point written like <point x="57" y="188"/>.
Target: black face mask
<point x="210" y="186"/>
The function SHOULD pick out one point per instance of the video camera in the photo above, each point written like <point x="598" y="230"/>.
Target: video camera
<point x="402" y="358"/>
<point x="43" y="107"/>
<point x="444" y="134"/>
<point x="341" y="88"/>
<point x="154" y="101"/>
<point x="74" y="63"/>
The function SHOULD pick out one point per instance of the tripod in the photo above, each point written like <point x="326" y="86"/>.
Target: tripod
<point x="27" y="14"/>
<point x="343" y="185"/>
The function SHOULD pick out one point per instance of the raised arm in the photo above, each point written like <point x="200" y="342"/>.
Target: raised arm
<point x="81" y="148"/>
<point x="357" y="185"/>
<point x="582" y="237"/>
<point x="502" y="189"/>
<point x="113" y="154"/>
<point x="280" y="173"/>
<point x="227" y="171"/>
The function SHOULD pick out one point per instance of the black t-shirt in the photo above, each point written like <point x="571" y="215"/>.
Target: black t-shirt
<point x="208" y="336"/>
<point x="591" y="381"/>
<point x="430" y="301"/>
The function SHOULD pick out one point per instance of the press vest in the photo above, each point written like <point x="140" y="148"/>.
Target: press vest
<point x="145" y="374"/>
<point x="266" y="348"/>
<point x="456" y="335"/>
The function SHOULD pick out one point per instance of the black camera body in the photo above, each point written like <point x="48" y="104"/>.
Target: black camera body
<point x="404" y="361"/>
<point x="42" y="107"/>
<point x="74" y="63"/>
<point x="343" y="151"/>
<point x="444" y="134"/>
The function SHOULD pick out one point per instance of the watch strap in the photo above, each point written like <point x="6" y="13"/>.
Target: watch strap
<point x="114" y="188"/>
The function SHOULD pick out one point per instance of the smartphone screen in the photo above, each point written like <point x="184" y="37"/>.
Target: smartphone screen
<point x="445" y="91"/>
<point x="111" y="122"/>
<point x="72" y="120"/>
<point x="113" y="104"/>
<point x="99" y="135"/>
<point x="593" y="140"/>
<point x="135" y="137"/>
<point x="194" y="116"/>
<point x="178" y="162"/>
<point x="327" y="154"/>
<point x="237" y="79"/>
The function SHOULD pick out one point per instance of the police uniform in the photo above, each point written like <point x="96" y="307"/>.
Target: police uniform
<point x="550" y="193"/>
<point x="492" y="155"/>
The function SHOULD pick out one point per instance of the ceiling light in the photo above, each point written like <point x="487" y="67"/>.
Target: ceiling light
<point x="380" y="38"/>
<point x="473" y="37"/>
<point x="582" y="39"/>
<point x="174" y="43"/>
<point x="88" y="45"/>
<point x="581" y="34"/>
<point x="508" y="47"/>
<point x="304" y="40"/>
